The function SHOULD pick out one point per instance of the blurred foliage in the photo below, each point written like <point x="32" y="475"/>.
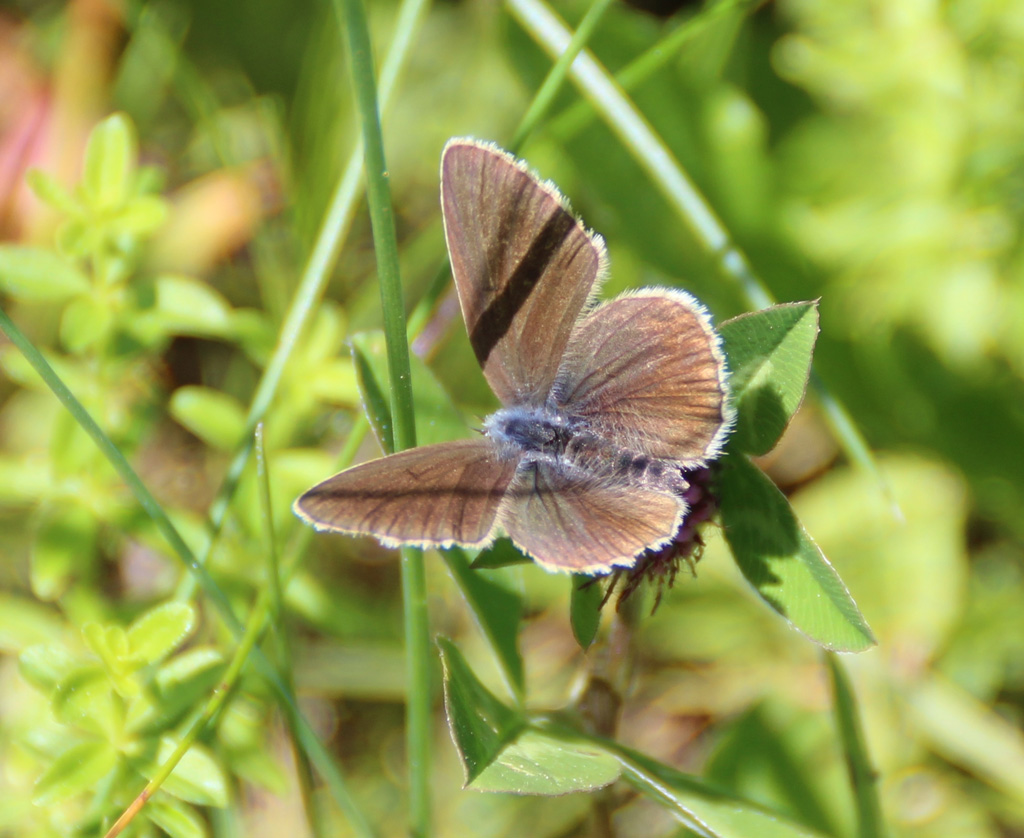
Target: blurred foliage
<point x="866" y="153"/>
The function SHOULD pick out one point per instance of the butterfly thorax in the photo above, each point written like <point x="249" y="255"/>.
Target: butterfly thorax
<point x="542" y="433"/>
<point x="530" y="430"/>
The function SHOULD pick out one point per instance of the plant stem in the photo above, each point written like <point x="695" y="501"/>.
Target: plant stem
<point x="863" y="778"/>
<point x="545" y="95"/>
<point x="352" y="16"/>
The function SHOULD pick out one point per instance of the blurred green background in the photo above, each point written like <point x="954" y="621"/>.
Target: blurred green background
<point x="870" y="154"/>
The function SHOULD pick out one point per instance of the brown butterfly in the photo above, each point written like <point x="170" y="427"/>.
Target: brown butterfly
<point x="604" y="406"/>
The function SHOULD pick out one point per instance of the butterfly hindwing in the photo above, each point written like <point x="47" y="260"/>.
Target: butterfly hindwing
<point x="579" y="523"/>
<point x="646" y="372"/>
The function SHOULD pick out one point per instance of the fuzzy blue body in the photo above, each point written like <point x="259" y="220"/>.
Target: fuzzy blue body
<point x="546" y="434"/>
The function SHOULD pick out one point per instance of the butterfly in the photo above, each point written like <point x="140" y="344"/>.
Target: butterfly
<point x="604" y="406"/>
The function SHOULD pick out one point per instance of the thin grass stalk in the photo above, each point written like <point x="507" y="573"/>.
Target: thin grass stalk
<point x="545" y="95"/>
<point x="581" y="113"/>
<point x="863" y="778"/>
<point x="352" y="15"/>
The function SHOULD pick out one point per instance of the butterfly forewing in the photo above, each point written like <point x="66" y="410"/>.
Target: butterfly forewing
<point x="646" y="372"/>
<point x="437" y="495"/>
<point x="524" y="266"/>
<point x="581" y="524"/>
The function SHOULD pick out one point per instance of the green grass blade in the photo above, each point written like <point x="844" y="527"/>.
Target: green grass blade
<point x="863" y="778"/>
<point x="545" y="95"/>
<point x="352" y="16"/>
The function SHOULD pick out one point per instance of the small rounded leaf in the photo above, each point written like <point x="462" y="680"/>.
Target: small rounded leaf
<point x="25" y="623"/>
<point x="197" y="778"/>
<point x="81" y="768"/>
<point x="51" y="191"/>
<point x="84" y="700"/>
<point x="216" y="418"/>
<point x="143" y="216"/>
<point x="159" y="631"/>
<point x="110" y="156"/>
<point x="86" y="322"/>
<point x="65" y="541"/>
<point x="34" y="274"/>
<point x="187" y="667"/>
<point x="177" y="819"/>
<point x="187" y="306"/>
<point x="44" y="666"/>
<point x="110" y="643"/>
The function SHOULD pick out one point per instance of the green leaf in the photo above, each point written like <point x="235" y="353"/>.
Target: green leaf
<point x="782" y="562"/>
<point x="497" y="611"/>
<point x="177" y="819"/>
<point x="110" y="643"/>
<point x="480" y="725"/>
<point x="261" y="768"/>
<point x="22" y="482"/>
<point x="437" y="420"/>
<point x="143" y="216"/>
<point x="702" y="808"/>
<point x="110" y="156"/>
<point x="585" y="609"/>
<point x="51" y="191"/>
<point x="77" y="238"/>
<point x="24" y="623"/>
<point x="769" y="360"/>
<point x="184" y="680"/>
<point x="197" y="778"/>
<point x="84" y="700"/>
<point x="33" y="274"/>
<point x="45" y="665"/>
<point x="183" y="306"/>
<point x="539" y="763"/>
<point x="335" y="382"/>
<point x="502" y="553"/>
<point x="188" y="666"/>
<point x="374" y="396"/>
<point x="500" y="753"/>
<point x="159" y="631"/>
<point x="217" y="418"/>
<point x="65" y="542"/>
<point x="863" y="776"/>
<point x="86" y="322"/>
<point x="81" y="768"/>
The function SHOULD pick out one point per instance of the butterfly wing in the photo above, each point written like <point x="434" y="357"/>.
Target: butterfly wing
<point x="581" y="524"/>
<point x="433" y="496"/>
<point x="524" y="266"/>
<point x="647" y="372"/>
